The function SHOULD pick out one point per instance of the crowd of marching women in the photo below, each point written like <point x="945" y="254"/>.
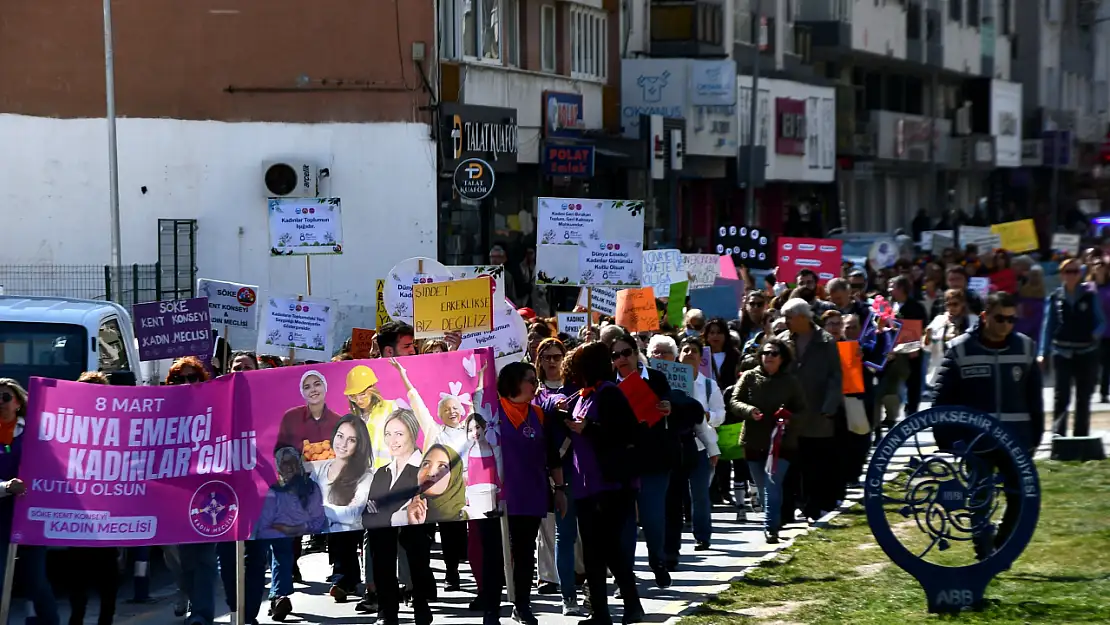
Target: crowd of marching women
<point x="786" y="400"/>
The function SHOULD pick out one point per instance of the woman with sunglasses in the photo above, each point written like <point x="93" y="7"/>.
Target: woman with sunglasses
<point x="659" y="450"/>
<point x="196" y="563"/>
<point x="1072" y="333"/>
<point x="31" y="565"/>
<point x="769" y="446"/>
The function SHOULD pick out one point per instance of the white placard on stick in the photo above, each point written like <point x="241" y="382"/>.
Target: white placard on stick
<point x="230" y="304"/>
<point x="305" y="226"/>
<point x="662" y="268"/>
<point x="604" y="300"/>
<point x="701" y="270"/>
<point x="571" y="323"/>
<point x="398" y="284"/>
<point x="300" y="324"/>
<point x="587" y="242"/>
<point x="1068" y="243"/>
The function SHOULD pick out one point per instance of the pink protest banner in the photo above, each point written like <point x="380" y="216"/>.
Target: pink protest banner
<point x="728" y="268"/>
<point x="258" y="455"/>
<point x="822" y="256"/>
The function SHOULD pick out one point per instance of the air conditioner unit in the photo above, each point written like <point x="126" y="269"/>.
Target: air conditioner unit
<point x="290" y="178"/>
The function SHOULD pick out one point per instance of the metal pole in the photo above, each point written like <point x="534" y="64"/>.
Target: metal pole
<point x="1054" y="189"/>
<point x="240" y="583"/>
<point x="749" y="200"/>
<point x="9" y="580"/>
<point x="110" y="114"/>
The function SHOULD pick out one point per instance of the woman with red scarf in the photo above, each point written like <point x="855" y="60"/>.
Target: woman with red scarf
<point x="765" y="398"/>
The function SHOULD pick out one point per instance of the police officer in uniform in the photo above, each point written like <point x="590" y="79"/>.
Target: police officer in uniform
<point x="993" y="369"/>
<point x="1073" y="325"/>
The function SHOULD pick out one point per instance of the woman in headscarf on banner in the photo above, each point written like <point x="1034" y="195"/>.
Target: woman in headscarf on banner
<point x="386" y="521"/>
<point x="442" y="488"/>
<point x="309" y="428"/>
<point x="345" y="482"/>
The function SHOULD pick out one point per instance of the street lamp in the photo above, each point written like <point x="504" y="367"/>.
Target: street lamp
<point x="113" y="166"/>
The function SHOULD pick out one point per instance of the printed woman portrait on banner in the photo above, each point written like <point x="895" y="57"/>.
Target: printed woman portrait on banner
<point x="442" y="488"/>
<point x="482" y="481"/>
<point x="394" y="484"/>
<point x="345" y="479"/>
<point x="308" y="428"/>
<point x="294" y="504"/>
<point x="368" y="404"/>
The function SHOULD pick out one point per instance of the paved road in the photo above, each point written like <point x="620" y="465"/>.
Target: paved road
<point x="736" y="547"/>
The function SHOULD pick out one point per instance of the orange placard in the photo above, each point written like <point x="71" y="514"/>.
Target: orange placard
<point x="636" y="310"/>
<point x="361" y="342"/>
<point x="641" y="397"/>
<point x="911" y="331"/>
<point x="851" y="367"/>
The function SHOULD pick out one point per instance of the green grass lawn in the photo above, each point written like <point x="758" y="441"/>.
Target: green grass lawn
<point x="839" y="574"/>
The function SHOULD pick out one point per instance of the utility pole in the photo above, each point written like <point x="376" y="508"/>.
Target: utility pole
<point x="113" y="166"/>
<point x="749" y="200"/>
<point x="1054" y="189"/>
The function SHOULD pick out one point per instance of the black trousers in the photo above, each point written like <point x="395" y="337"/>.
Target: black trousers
<point x="1080" y="370"/>
<point x="817" y="462"/>
<point x="523" y="531"/>
<point x="913" y="385"/>
<point x="678" y="498"/>
<point x="383" y="550"/>
<point x="93" y="567"/>
<point x="1104" y="367"/>
<point x="343" y="554"/>
<point x="602" y="519"/>
<point x="452" y="539"/>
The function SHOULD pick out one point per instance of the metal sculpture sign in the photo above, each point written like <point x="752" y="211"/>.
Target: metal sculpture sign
<point x="947" y="499"/>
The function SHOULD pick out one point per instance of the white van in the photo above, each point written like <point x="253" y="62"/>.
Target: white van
<point x="57" y="337"/>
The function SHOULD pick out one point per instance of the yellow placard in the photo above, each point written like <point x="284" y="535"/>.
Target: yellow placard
<point x="382" y="317"/>
<point x="456" y="306"/>
<point x="1017" y="236"/>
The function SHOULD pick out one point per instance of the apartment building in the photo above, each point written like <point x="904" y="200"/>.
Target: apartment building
<point x="209" y="95"/>
<point x="528" y="87"/>
<point x="927" y="115"/>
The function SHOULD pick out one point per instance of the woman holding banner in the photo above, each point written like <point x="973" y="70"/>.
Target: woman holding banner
<point x="31" y="571"/>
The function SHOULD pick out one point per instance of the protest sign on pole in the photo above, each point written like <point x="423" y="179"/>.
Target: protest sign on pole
<point x="636" y="310"/>
<point x="402" y="277"/>
<point x="571" y="323"/>
<point x="173" y="329"/>
<point x="662" y="268"/>
<point x="230" y="304"/>
<point x="297" y="323"/>
<point x="305" y="226"/>
<point x="362" y="342"/>
<point x="587" y="242"/>
<point x="455" y="306"/>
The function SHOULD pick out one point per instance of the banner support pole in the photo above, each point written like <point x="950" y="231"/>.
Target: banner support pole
<point x="308" y="273"/>
<point x="589" y="310"/>
<point x="507" y="555"/>
<point x="9" y="580"/>
<point x="240" y="583"/>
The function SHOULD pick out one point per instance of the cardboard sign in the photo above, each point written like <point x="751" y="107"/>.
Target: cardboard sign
<point x="851" y="367"/>
<point x="231" y="304"/>
<point x="173" y="329"/>
<point x="662" y="268"/>
<point x="750" y="247"/>
<point x="927" y="237"/>
<point x="911" y="331"/>
<point x="701" y="269"/>
<point x="980" y="286"/>
<point x="680" y="375"/>
<point x="382" y="317"/>
<point x="362" y="340"/>
<point x="822" y="256"/>
<point x="1067" y="243"/>
<point x="636" y="310"/>
<point x="728" y="268"/>
<point x="455" y="306"/>
<point x="1017" y="236"/>
<point x="716" y="301"/>
<point x="984" y="238"/>
<point x="676" y="302"/>
<point x="604" y="300"/>
<point x="571" y="323"/>
<point x="642" y="399"/>
<point x="705" y="367"/>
